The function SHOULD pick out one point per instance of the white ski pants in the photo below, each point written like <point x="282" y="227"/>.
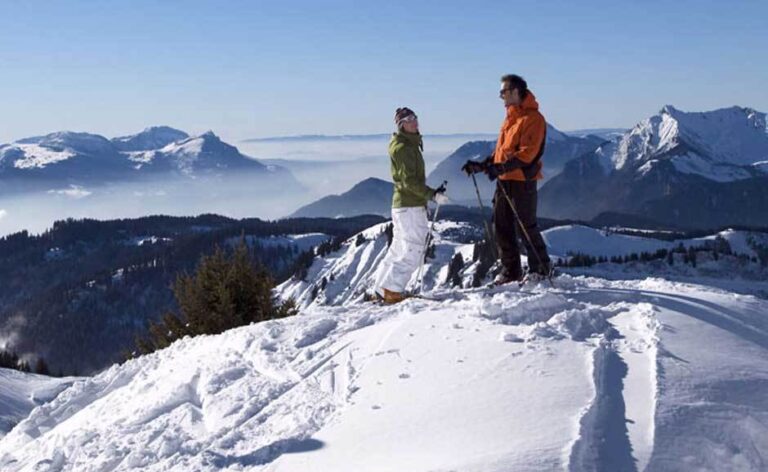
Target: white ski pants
<point x="406" y="253"/>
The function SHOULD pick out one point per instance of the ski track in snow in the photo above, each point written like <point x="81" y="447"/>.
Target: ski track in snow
<point x="592" y="375"/>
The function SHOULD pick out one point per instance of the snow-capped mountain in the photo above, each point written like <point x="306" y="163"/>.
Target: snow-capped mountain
<point x="370" y="197"/>
<point x="593" y="374"/>
<point x="721" y="145"/>
<point x="154" y="137"/>
<point x="82" y="158"/>
<point x="559" y="149"/>
<point x="198" y="154"/>
<point x="62" y="155"/>
<point x="691" y="169"/>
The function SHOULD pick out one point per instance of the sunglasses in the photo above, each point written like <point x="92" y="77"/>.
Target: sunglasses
<point x="505" y="90"/>
<point x="409" y="118"/>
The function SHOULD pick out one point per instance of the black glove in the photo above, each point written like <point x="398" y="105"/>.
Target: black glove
<point x="493" y="171"/>
<point x="440" y="189"/>
<point x="474" y="167"/>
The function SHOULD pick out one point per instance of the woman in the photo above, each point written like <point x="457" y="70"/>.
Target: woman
<point x="409" y="208"/>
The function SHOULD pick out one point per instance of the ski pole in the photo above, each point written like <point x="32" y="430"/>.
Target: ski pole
<point x="520" y="223"/>
<point x="419" y="279"/>
<point x="482" y="215"/>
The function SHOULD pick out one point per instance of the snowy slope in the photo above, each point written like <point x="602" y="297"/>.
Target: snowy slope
<point x="497" y="380"/>
<point x="571" y="239"/>
<point x="21" y="392"/>
<point x="592" y="374"/>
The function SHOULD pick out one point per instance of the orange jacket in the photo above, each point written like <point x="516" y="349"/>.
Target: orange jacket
<point x="521" y="136"/>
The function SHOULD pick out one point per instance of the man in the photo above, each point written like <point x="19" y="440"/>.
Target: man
<point x="409" y="208"/>
<point x="516" y="163"/>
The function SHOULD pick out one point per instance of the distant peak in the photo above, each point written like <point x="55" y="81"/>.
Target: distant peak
<point x="669" y="110"/>
<point x="162" y="129"/>
<point x="371" y="180"/>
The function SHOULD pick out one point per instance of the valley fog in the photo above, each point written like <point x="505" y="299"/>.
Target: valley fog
<point x="233" y="196"/>
<point x="321" y="167"/>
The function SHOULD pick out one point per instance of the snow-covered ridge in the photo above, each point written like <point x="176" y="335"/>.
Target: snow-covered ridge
<point x="154" y="137"/>
<point x="722" y="145"/>
<point x="343" y="277"/>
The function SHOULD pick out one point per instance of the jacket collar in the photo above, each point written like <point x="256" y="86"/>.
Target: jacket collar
<point x="411" y="138"/>
<point x="529" y="103"/>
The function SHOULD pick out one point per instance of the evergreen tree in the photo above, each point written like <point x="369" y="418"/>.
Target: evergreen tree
<point x="692" y="256"/>
<point x="226" y="291"/>
<point x="41" y="367"/>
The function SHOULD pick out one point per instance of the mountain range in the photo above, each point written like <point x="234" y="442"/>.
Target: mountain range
<point x="690" y="169"/>
<point x="82" y="158"/>
<point x="676" y="169"/>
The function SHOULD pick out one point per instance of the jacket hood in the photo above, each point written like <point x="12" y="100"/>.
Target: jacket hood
<point x="529" y="103"/>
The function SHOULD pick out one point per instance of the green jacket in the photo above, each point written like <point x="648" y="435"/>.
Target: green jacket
<point x="408" y="171"/>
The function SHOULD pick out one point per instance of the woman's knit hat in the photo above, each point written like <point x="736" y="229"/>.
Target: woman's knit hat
<point x="401" y="114"/>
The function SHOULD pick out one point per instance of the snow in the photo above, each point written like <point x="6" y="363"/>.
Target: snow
<point x="302" y="241"/>
<point x="150" y="240"/>
<point x="37" y="156"/>
<point x="691" y="163"/>
<point x="154" y="137"/>
<point x="595" y="373"/>
<point x="572" y="239"/>
<point x="21" y="392"/>
<point x="185" y="152"/>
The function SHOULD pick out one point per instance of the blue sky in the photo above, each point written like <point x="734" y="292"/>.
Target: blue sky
<point x="254" y="69"/>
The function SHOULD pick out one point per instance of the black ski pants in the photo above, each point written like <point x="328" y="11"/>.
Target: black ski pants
<point x="524" y="196"/>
